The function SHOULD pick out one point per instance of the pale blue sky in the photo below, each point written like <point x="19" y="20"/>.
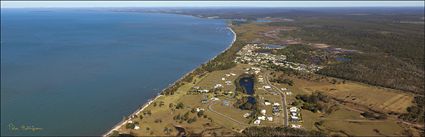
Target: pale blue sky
<point x="48" y="4"/>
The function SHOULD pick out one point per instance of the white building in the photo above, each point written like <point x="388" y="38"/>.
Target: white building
<point x="294" y="118"/>
<point x="263" y="112"/>
<point x="262" y="118"/>
<point x="136" y="127"/>
<point x="204" y="91"/>
<point x="218" y="86"/>
<point x="295" y="126"/>
<point x="267" y="87"/>
<point x="293" y="109"/>
<point x="267" y="103"/>
<point x="199" y="109"/>
<point x="257" y="122"/>
<point x="261" y="80"/>
<point x="246" y="115"/>
<point x="270" y="118"/>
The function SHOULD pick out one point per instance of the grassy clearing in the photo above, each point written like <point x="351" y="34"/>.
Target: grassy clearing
<point x="376" y="98"/>
<point x="381" y="99"/>
<point x="347" y="122"/>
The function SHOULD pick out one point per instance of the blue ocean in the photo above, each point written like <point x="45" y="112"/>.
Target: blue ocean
<point x="80" y="71"/>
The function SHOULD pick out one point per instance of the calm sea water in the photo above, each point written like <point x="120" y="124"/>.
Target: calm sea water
<point x="79" y="71"/>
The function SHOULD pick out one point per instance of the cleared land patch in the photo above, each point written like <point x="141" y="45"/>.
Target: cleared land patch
<point x="381" y="99"/>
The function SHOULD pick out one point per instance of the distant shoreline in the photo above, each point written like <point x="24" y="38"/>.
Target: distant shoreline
<point x="138" y="111"/>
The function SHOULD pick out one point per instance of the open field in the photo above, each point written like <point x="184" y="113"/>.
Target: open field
<point x="380" y="99"/>
<point x="348" y="122"/>
<point x="377" y="98"/>
<point x="351" y="123"/>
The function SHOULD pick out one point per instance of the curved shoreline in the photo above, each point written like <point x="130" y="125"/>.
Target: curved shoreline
<point x="138" y="111"/>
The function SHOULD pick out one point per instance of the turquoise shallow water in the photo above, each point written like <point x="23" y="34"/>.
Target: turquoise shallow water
<point x="79" y="71"/>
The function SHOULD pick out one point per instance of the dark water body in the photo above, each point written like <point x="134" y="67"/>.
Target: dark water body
<point x="248" y="84"/>
<point x="78" y="72"/>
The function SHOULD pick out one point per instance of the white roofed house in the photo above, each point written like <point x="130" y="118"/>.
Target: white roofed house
<point x="295" y="126"/>
<point x="294" y="118"/>
<point x="270" y="118"/>
<point x="263" y="112"/>
<point x="257" y="122"/>
<point x="293" y="109"/>
<point x="261" y="118"/>
<point x="136" y="127"/>
<point x="246" y="115"/>
<point x="203" y="91"/>
<point x="218" y="86"/>
<point x="261" y="80"/>
<point x="267" y="87"/>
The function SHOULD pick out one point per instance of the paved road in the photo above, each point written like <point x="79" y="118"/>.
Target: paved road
<point x="284" y="105"/>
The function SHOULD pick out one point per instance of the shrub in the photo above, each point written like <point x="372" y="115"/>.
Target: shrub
<point x="130" y="125"/>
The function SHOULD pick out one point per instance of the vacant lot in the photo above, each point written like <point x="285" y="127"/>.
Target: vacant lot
<point x="381" y="99"/>
<point x="376" y="98"/>
<point x="351" y="123"/>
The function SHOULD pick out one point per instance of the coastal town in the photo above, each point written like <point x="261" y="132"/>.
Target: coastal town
<point x="217" y="96"/>
<point x="248" y="55"/>
<point x="255" y="93"/>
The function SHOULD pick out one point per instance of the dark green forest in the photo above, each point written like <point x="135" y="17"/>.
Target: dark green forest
<point x="382" y="52"/>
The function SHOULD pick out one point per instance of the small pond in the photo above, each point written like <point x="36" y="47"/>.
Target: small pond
<point x="248" y="84"/>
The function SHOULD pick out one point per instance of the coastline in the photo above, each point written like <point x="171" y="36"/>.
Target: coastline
<point x="139" y="110"/>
